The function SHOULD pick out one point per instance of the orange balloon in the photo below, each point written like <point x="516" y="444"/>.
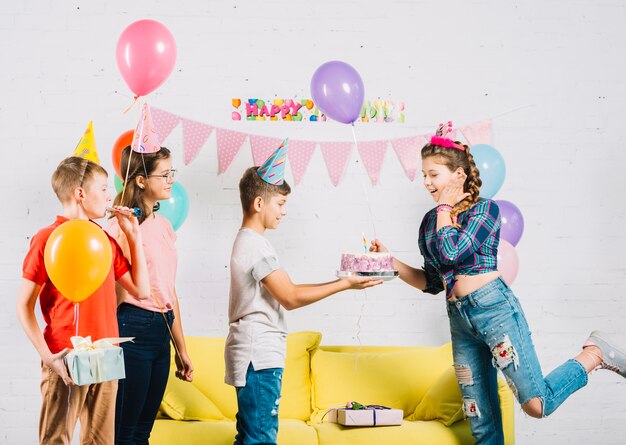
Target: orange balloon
<point x="123" y="141"/>
<point x="77" y="258"/>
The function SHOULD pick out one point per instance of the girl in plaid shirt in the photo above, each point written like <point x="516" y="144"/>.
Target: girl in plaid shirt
<point x="459" y="242"/>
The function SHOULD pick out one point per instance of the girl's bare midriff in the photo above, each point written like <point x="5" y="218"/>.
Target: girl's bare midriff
<point x="466" y="284"/>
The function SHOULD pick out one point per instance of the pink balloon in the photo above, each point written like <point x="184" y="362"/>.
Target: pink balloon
<point x="508" y="262"/>
<point x="146" y="55"/>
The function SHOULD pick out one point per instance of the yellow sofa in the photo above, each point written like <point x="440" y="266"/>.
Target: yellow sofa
<point x="418" y="380"/>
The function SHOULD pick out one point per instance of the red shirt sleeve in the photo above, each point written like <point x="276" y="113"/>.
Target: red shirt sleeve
<point x="34" y="268"/>
<point x="120" y="263"/>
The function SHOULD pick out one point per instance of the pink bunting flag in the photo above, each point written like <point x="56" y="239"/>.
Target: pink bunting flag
<point x="336" y="156"/>
<point x="146" y="138"/>
<point x="408" y="152"/>
<point x="195" y="135"/>
<point x="262" y="147"/>
<point x="478" y="133"/>
<point x="164" y="122"/>
<point x="300" y="154"/>
<point x="372" y="154"/>
<point x="228" y="145"/>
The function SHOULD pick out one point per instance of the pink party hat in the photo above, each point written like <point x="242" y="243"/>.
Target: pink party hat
<point x="146" y="139"/>
<point x="273" y="169"/>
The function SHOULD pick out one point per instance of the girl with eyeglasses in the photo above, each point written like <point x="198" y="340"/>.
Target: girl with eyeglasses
<point x="152" y="322"/>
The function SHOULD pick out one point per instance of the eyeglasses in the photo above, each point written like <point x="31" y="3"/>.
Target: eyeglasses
<point x="169" y="176"/>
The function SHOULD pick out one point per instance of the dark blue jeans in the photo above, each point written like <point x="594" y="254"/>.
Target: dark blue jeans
<point x="258" y="403"/>
<point x="147" y="365"/>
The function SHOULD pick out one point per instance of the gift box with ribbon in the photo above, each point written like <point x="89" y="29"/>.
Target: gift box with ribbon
<point x="95" y="362"/>
<point x="356" y="414"/>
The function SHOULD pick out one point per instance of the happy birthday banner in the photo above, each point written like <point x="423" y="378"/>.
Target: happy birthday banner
<point x="335" y="154"/>
<point x="382" y="111"/>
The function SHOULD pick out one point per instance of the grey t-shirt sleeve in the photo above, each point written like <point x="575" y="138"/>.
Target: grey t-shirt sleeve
<point x="264" y="267"/>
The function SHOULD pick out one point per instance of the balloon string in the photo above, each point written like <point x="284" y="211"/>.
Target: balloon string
<point x="130" y="155"/>
<point x="369" y="208"/>
<point x="131" y="105"/>
<point x="367" y="197"/>
<point x="76" y="316"/>
<point x="358" y="331"/>
<point x="166" y="324"/>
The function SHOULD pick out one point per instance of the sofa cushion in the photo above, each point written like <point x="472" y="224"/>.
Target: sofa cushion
<point x="295" y="402"/>
<point x="207" y="355"/>
<point x="397" y="378"/>
<point x="183" y="401"/>
<point x="409" y="433"/>
<point x="442" y="402"/>
<point x="222" y="432"/>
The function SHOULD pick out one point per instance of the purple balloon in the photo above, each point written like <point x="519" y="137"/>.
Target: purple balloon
<point x="512" y="222"/>
<point x="337" y="90"/>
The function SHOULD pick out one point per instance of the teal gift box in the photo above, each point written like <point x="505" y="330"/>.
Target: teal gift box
<point x="96" y="362"/>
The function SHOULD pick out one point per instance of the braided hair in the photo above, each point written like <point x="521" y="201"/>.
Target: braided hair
<point x="454" y="158"/>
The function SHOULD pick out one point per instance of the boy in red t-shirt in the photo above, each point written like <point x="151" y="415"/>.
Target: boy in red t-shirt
<point x="82" y="188"/>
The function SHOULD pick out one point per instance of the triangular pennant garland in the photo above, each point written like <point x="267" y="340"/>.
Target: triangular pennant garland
<point x="478" y="133"/>
<point x="262" y="147"/>
<point x="408" y="152"/>
<point x="336" y="156"/>
<point x="156" y="125"/>
<point x="372" y="154"/>
<point x="195" y="135"/>
<point x="228" y="145"/>
<point x="164" y="122"/>
<point x="300" y="153"/>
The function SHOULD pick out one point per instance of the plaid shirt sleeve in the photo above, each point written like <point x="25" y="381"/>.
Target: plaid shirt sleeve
<point x="455" y="245"/>
<point x="434" y="283"/>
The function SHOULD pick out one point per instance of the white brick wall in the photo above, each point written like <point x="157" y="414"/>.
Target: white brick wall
<point x="558" y="64"/>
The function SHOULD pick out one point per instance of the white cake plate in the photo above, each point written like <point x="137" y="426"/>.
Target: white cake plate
<point x="384" y="275"/>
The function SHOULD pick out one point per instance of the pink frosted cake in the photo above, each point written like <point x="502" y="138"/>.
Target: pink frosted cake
<point x="366" y="262"/>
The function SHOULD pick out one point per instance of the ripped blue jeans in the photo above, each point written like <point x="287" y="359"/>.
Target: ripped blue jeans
<point x="258" y="403"/>
<point x="489" y="333"/>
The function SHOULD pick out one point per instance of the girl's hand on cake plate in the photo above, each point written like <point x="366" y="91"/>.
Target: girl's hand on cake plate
<point x="357" y="282"/>
<point x="377" y="246"/>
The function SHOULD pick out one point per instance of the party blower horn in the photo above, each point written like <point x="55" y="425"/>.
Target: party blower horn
<point x="136" y="211"/>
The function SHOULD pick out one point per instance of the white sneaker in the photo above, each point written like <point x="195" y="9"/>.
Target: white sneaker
<point x="613" y="359"/>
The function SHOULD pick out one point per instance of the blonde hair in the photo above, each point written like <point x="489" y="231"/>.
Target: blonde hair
<point x="251" y="185"/>
<point x="454" y="158"/>
<point x="71" y="173"/>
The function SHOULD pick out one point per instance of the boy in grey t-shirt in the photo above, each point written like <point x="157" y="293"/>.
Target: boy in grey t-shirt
<point x="260" y="290"/>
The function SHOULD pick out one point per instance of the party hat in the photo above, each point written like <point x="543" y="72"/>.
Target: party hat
<point x="273" y="169"/>
<point x="146" y="139"/>
<point x="86" y="147"/>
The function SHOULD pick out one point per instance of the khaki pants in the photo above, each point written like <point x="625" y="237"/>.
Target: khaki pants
<point x="93" y="404"/>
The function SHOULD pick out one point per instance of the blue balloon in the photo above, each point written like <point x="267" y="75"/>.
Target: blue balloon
<point x="176" y="208"/>
<point x="492" y="169"/>
<point x="119" y="185"/>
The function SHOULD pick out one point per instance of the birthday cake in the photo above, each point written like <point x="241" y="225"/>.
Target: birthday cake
<point x="366" y="262"/>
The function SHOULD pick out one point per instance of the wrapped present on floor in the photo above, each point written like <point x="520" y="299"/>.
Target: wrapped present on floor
<point x="95" y="362"/>
<point x="356" y="414"/>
